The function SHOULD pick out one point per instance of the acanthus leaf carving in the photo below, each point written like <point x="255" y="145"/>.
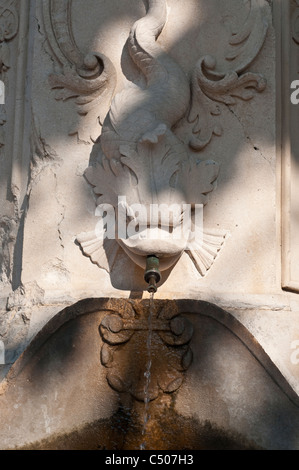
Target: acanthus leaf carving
<point x="88" y="79"/>
<point x="4" y="57"/>
<point x="190" y="179"/>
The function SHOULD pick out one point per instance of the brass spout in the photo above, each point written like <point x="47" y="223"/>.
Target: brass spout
<point x="152" y="274"/>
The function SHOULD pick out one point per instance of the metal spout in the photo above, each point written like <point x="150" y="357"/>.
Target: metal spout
<point x="152" y="274"/>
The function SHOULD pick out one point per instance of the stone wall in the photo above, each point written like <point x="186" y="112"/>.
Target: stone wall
<point x="213" y="92"/>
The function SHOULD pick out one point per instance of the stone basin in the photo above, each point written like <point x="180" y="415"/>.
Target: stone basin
<point x="80" y="383"/>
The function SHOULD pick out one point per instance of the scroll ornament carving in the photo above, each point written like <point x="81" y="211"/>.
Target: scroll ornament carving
<point x="142" y="155"/>
<point x="8" y="234"/>
<point x="124" y="335"/>
<point x="88" y="79"/>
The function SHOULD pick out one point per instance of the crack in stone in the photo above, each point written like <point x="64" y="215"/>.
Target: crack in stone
<point x="247" y="137"/>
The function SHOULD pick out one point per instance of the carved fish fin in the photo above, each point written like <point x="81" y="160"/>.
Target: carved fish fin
<point x="204" y="253"/>
<point x="101" y="252"/>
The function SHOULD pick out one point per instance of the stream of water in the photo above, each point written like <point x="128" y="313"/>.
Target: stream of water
<point x="147" y="372"/>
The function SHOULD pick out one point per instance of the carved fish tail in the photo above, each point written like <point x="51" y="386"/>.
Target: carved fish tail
<point x="142" y="40"/>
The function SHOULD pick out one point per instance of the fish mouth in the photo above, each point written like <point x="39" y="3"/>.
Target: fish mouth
<point x="164" y="245"/>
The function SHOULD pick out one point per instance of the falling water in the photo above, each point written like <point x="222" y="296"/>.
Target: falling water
<point x="147" y="373"/>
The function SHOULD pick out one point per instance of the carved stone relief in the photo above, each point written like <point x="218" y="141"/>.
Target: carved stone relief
<point x="21" y="115"/>
<point x="8" y="234"/>
<point x="88" y="79"/>
<point x="15" y="34"/>
<point x="151" y="136"/>
<point x="9" y="25"/>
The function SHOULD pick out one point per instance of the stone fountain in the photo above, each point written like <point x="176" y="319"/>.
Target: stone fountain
<point x="149" y="323"/>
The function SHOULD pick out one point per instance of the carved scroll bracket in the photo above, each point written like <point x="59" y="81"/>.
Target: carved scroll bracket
<point x="125" y="350"/>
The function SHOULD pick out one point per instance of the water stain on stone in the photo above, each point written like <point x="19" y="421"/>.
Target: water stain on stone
<point x="166" y="430"/>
